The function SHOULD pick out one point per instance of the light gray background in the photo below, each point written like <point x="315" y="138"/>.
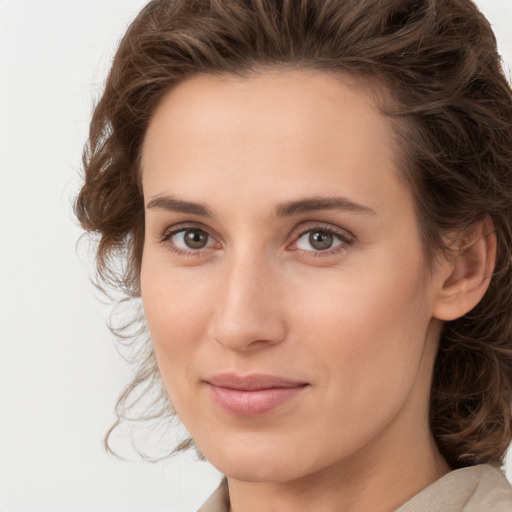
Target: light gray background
<point x="59" y="372"/>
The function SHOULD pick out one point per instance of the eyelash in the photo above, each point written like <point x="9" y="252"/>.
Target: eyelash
<point x="345" y="238"/>
<point x="180" y="229"/>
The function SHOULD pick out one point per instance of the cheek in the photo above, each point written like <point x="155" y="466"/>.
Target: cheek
<point x="173" y="310"/>
<point x="365" y="329"/>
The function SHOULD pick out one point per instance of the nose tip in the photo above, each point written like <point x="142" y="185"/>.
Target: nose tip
<point x="247" y="315"/>
<point x="242" y="335"/>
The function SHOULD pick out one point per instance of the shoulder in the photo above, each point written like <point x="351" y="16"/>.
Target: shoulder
<point x="472" y="489"/>
<point x="218" y="501"/>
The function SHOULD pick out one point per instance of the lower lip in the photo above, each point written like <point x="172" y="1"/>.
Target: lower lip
<point x="252" y="403"/>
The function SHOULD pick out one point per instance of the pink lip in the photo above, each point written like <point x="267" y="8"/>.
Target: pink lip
<point x="252" y="395"/>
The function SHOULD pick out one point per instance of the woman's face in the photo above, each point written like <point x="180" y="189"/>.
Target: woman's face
<point x="283" y="277"/>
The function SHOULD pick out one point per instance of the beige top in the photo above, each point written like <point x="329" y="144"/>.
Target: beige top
<point x="476" y="489"/>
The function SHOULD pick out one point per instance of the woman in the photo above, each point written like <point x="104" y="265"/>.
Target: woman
<point x="313" y="198"/>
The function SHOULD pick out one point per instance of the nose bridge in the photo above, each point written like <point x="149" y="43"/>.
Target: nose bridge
<point x="247" y="313"/>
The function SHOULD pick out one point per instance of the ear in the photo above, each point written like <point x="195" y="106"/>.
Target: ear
<point x="465" y="274"/>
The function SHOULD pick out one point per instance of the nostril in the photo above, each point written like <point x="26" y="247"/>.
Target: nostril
<point x="251" y="334"/>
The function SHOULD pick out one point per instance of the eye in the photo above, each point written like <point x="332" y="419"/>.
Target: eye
<point x="318" y="240"/>
<point x="321" y="240"/>
<point x="190" y="239"/>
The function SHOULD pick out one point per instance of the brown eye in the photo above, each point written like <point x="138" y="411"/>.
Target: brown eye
<point x="195" y="239"/>
<point x="191" y="239"/>
<point x="321" y="240"/>
<point x="318" y="240"/>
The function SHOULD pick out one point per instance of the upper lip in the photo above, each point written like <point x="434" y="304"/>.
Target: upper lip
<point x="252" y="382"/>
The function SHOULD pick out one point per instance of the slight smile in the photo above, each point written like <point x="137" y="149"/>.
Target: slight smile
<point x="252" y="395"/>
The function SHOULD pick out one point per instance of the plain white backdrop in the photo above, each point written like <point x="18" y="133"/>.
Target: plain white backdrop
<point x="59" y="372"/>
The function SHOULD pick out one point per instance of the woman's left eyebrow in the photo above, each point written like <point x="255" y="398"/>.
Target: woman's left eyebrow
<point x="314" y="204"/>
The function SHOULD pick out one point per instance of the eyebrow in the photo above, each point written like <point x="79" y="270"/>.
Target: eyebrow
<point x="314" y="204"/>
<point x="172" y="204"/>
<point x="287" y="209"/>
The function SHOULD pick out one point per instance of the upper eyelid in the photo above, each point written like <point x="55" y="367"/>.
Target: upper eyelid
<point x="326" y="226"/>
<point x="183" y="226"/>
<point x="343" y="238"/>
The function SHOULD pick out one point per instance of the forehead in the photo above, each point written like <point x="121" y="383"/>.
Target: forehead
<point x="268" y="103"/>
<point x="279" y="130"/>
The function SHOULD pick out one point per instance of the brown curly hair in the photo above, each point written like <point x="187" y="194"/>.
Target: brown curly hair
<point x="451" y="109"/>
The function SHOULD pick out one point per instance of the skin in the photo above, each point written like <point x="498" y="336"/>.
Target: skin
<point x="359" y="322"/>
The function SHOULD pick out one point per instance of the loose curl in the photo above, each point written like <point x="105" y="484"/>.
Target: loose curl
<point x="449" y="104"/>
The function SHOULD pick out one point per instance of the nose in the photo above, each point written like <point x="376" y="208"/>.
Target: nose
<point x="248" y="315"/>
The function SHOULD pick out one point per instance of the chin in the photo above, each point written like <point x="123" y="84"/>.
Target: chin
<point x="247" y="469"/>
<point x="260" y="461"/>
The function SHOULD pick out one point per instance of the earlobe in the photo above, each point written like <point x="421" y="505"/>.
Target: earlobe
<point x="469" y="270"/>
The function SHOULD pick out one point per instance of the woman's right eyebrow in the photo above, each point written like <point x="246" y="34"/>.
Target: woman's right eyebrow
<point x="172" y="204"/>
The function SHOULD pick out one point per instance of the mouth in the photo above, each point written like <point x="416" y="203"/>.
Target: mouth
<point x="252" y="395"/>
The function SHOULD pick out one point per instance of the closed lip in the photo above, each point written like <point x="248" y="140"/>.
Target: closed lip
<point x="252" y="395"/>
<point x="254" y="382"/>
